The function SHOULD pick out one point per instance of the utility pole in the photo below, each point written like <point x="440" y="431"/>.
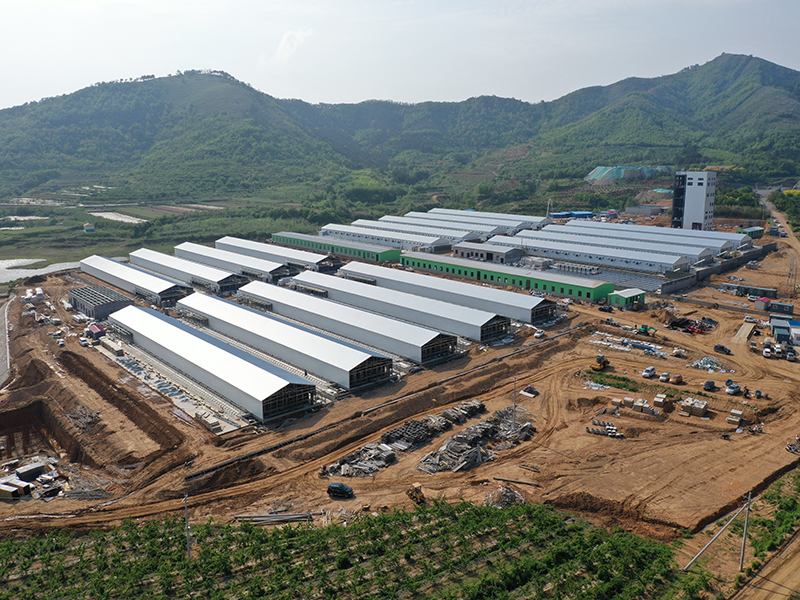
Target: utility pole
<point x="515" y="405"/>
<point x="188" y="539"/>
<point x="744" y="535"/>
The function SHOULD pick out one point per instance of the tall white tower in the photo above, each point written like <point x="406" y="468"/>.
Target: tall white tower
<point x="693" y="200"/>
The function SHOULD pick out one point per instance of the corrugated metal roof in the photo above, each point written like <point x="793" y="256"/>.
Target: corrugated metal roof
<point x="254" y="377"/>
<point x="738" y="238"/>
<point x="269" y="251"/>
<point x="401" y="300"/>
<point x="151" y="259"/>
<point x="231" y="260"/>
<point x="148" y="282"/>
<point x="447" y="234"/>
<point x="658" y="234"/>
<point x="484" y="247"/>
<point x="422" y="240"/>
<point x="409" y="333"/>
<point x="628" y="293"/>
<point x="669" y="260"/>
<point x="510" y="271"/>
<point x="465" y="217"/>
<point x="528" y="219"/>
<point x="277" y="332"/>
<point x="479" y="228"/>
<point x="323" y="240"/>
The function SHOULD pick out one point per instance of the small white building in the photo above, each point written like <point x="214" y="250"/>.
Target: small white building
<point x="693" y="200"/>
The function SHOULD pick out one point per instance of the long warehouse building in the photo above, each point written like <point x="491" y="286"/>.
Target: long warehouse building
<point x="241" y="264"/>
<point x="557" y="284"/>
<point x="298" y="259"/>
<point x="395" y="239"/>
<point x="255" y="385"/>
<point x="635" y="237"/>
<point x="521" y="307"/>
<point x="467" y="322"/>
<point x="150" y="288"/>
<point x="614" y="258"/>
<point x="738" y="239"/>
<point x="337" y="247"/>
<point x="480" y="230"/>
<point x="343" y="363"/>
<point x="420" y="344"/>
<point x="195" y="274"/>
<point x="451" y="235"/>
<point x="692" y="253"/>
<point x="530" y="220"/>
<point x="507" y="227"/>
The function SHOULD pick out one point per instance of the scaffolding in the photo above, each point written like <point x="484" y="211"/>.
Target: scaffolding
<point x="441" y="347"/>
<point x="494" y="328"/>
<point x="375" y="370"/>
<point x="295" y="397"/>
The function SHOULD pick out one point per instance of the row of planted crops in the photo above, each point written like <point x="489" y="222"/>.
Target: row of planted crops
<point x="442" y="551"/>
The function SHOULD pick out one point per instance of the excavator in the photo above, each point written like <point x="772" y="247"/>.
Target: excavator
<point x="601" y="362"/>
<point x="646" y="329"/>
<point x="415" y="493"/>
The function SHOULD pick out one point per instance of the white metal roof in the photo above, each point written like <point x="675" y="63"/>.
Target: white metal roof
<point x="669" y="260"/>
<point x="399" y="300"/>
<point x="448" y="234"/>
<point x="510" y="304"/>
<point x="505" y="224"/>
<point x="693" y="253"/>
<point x="381" y="234"/>
<point x="483" y="247"/>
<point x="275" y="332"/>
<point x="269" y="251"/>
<point x="121" y="273"/>
<point x="738" y="238"/>
<point x="466" y="263"/>
<point x="342" y="319"/>
<point x="256" y="379"/>
<point x="323" y="240"/>
<point x="172" y="265"/>
<point x="225" y="259"/>
<point x="628" y="293"/>
<point x="479" y="228"/>
<point x="528" y="219"/>
<point x="659" y="235"/>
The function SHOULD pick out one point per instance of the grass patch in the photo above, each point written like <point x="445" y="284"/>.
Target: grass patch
<point x="615" y="381"/>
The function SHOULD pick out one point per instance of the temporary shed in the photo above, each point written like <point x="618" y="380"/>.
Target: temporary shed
<point x="420" y="344"/>
<point x="328" y="358"/>
<point x="451" y="235"/>
<point x="613" y="258"/>
<point x="543" y="281"/>
<point x="337" y="247"/>
<point x="532" y="222"/>
<point x="291" y="257"/>
<point x="197" y="275"/>
<point x="396" y="239"/>
<point x="739" y="239"/>
<point x="467" y="322"/>
<point x="255" y="385"/>
<point x="659" y="235"/>
<point x="628" y="297"/>
<point x="521" y="307"/>
<point x="241" y="264"/>
<point x="97" y="301"/>
<point x="151" y="288"/>
<point x="693" y="254"/>
<point x="488" y="252"/>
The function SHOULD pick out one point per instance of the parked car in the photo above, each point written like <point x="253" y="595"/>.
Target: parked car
<point x="676" y="379"/>
<point x="749" y="319"/>
<point x="709" y="386"/>
<point x="766" y="353"/>
<point x="539" y="333"/>
<point x="791" y="356"/>
<point x="606" y="308"/>
<point x="649" y="372"/>
<point x="83" y="341"/>
<point x="752" y="298"/>
<point x="777" y="351"/>
<point x="722" y="349"/>
<point x="664" y="378"/>
<point x="340" y="490"/>
<point x="733" y="389"/>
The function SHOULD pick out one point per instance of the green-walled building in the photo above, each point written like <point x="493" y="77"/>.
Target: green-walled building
<point x="548" y="282"/>
<point x="337" y="246"/>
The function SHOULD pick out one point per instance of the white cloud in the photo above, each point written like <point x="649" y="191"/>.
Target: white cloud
<point x="290" y="43"/>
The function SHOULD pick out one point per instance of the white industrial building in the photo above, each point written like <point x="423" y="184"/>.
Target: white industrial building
<point x="451" y="235"/>
<point x="530" y="220"/>
<point x="470" y="323"/>
<point x="255" y="385"/>
<point x="195" y="274"/>
<point x="518" y="306"/>
<point x="612" y="258"/>
<point x="333" y="360"/>
<point x="151" y="288"/>
<point x="291" y="257"/>
<point x="480" y="230"/>
<point x="241" y="264"/>
<point x="692" y="253"/>
<point x="420" y="344"/>
<point x="508" y="226"/>
<point x="395" y="239"/>
<point x="738" y="239"/>
<point x="635" y="237"/>
<point x="504" y="255"/>
<point x="693" y="200"/>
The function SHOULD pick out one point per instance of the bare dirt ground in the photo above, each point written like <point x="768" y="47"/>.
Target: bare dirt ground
<point x="669" y="473"/>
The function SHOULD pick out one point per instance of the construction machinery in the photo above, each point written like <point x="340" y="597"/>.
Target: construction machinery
<point x="601" y="362"/>
<point x="646" y="329"/>
<point x="415" y="493"/>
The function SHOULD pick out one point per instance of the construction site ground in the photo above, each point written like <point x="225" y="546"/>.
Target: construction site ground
<point x="668" y="474"/>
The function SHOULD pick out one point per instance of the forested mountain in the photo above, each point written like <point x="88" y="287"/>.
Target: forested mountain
<point x="204" y="134"/>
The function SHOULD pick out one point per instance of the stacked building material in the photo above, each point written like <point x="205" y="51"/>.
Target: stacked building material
<point x="695" y="406"/>
<point x="735" y="418"/>
<point x="616" y="402"/>
<point x="628" y="402"/>
<point x="660" y="400"/>
<point x="641" y="405"/>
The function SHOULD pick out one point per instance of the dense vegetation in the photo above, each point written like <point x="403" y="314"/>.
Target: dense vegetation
<point x="443" y="551"/>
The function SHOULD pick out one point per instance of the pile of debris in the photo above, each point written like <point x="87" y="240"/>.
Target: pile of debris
<point x="412" y="434"/>
<point x="468" y="448"/>
<point x="83" y="417"/>
<point x="710" y="364"/>
<point x="502" y="497"/>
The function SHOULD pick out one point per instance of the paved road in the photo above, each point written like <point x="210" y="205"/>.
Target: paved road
<point x="5" y="356"/>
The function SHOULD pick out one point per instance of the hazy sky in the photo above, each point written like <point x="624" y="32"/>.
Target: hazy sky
<point x="404" y="50"/>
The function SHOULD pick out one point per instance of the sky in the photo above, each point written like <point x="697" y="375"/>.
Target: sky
<point x="346" y="51"/>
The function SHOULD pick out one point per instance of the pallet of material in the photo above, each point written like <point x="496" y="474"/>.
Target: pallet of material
<point x="616" y="402"/>
<point x="628" y="402"/>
